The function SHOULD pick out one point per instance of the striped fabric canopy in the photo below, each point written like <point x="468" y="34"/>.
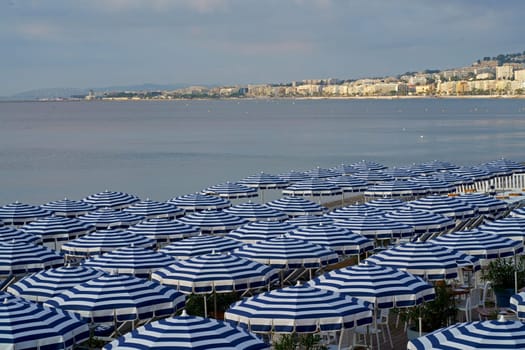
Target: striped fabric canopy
<point x="439" y="165"/>
<point x="348" y="184"/>
<point x="433" y="185"/>
<point x="423" y="221"/>
<point x="46" y="284"/>
<point x="264" y="181"/>
<point x="345" y="169"/>
<point x="309" y="220"/>
<point x="453" y="179"/>
<point x="399" y="173"/>
<point x="198" y="201"/>
<point x="444" y="205"/>
<point x="299" y="309"/>
<point x="341" y="240"/>
<point x="135" y="261"/>
<point x="150" y="209"/>
<point x="255" y="212"/>
<point x="396" y="189"/>
<point x="421" y="169"/>
<point x="314" y="187"/>
<point x="19" y="258"/>
<point x="68" y="208"/>
<point x="372" y="177"/>
<point x="31" y="326"/>
<point x="219" y="273"/>
<point x="296" y="206"/>
<point x="320" y="173"/>
<point x="119" y="298"/>
<point x="355" y="210"/>
<point x="381" y="285"/>
<point x="188" y="332"/>
<point x="509" y="164"/>
<point x="20" y="213"/>
<point x="104" y="241"/>
<point x="488" y="206"/>
<point x="518" y="213"/>
<point x="494" y="170"/>
<point x="288" y="253"/>
<point x="213" y="221"/>
<point x="111" y="199"/>
<point x="484" y="246"/>
<point x="200" y="245"/>
<point x="376" y="227"/>
<point x="386" y="204"/>
<point x="517" y="303"/>
<point x="510" y="227"/>
<point x="293" y="176"/>
<point x="427" y="260"/>
<point x="164" y="231"/>
<point x="110" y="218"/>
<point x="8" y="234"/>
<point x="498" y="334"/>
<point x="475" y="174"/>
<point x="231" y="190"/>
<point x="368" y="165"/>
<point x="260" y="230"/>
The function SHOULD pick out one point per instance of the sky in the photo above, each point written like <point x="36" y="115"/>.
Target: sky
<point x="98" y="43"/>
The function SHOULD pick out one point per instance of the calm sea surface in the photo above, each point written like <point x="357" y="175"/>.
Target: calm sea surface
<point x="159" y="150"/>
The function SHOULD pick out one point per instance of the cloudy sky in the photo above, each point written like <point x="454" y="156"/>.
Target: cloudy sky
<point x="96" y="43"/>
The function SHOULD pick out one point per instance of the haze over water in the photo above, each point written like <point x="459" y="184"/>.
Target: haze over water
<point x="160" y="150"/>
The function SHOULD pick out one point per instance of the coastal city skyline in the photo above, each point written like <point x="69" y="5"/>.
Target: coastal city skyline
<point x="222" y="42"/>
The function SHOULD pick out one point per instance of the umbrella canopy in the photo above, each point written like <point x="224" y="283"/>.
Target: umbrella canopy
<point x="213" y="221"/>
<point x="68" y="208"/>
<point x="386" y="204"/>
<point x="495" y="335"/>
<point x="396" y="189"/>
<point x="518" y="213"/>
<point x="348" y="184"/>
<point x="320" y="173"/>
<point x="20" y="213"/>
<point x="368" y="165"/>
<point x="107" y="217"/>
<point x="453" y="179"/>
<point x="288" y="253"/>
<point x="104" y="241"/>
<point x="152" y="209"/>
<point x="260" y="230"/>
<point x="218" y="273"/>
<point x="198" y="201"/>
<point x="421" y="169"/>
<point x="425" y="259"/>
<point x="164" y="231"/>
<point x="383" y="286"/>
<point x="376" y="227"/>
<point x="511" y="227"/>
<point x="487" y="205"/>
<point x="8" y="234"/>
<point x="111" y="199"/>
<point x="373" y="177"/>
<point x="188" y="332"/>
<point x="297" y="206"/>
<point x="231" y="190"/>
<point x="433" y="185"/>
<point x="135" y="261"/>
<point x="484" y="246"/>
<point x="339" y="239"/>
<point x="200" y="245"/>
<point x="299" y="309"/>
<point x="444" y="205"/>
<point x="399" y="173"/>
<point x="517" y="303"/>
<point x="353" y="211"/>
<point x="31" y="326"/>
<point x="314" y="187"/>
<point x="255" y="212"/>
<point x="293" y="176"/>
<point x="46" y="284"/>
<point x="19" y="258"/>
<point x="119" y="298"/>
<point x="309" y="220"/>
<point x="345" y="169"/>
<point x="439" y="165"/>
<point x="54" y="230"/>
<point x="472" y="173"/>
<point x="264" y="181"/>
<point x="509" y="164"/>
<point x="423" y="221"/>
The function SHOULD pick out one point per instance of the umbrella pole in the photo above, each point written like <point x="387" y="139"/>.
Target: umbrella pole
<point x="515" y="274"/>
<point x="205" y="306"/>
<point x="215" y="303"/>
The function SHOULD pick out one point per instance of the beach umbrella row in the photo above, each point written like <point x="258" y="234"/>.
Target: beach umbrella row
<point x="260" y="230"/>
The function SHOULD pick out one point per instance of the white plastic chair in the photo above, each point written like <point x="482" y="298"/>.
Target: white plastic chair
<point x="381" y="326"/>
<point x="472" y="302"/>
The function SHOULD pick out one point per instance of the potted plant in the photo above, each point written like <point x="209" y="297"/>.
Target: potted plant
<point x="503" y="274"/>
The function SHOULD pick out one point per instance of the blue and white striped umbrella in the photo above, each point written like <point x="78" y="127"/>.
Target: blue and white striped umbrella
<point x="353" y="211"/>
<point x="19" y="258"/>
<point x="386" y="204"/>
<point x="264" y="181"/>
<point x="494" y="170"/>
<point x="164" y="231"/>
<point x="453" y="179"/>
<point x="31" y="326"/>
<point x="213" y="221"/>
<point x="296" y="206"/>
<point x="396" y="189"/>
<point x="321" y="173"/>
<point x="348" y="184"/>
<point x="55" y="230"/>
<point x="373" y="177"/>
<point x="231" y="190"/>
<point x="383" y="286"/>
<point x="46" y="284"/>
<point x="260" y="230"/>
<point x="288" y="253"/>
<point x="110" y="218"/>
<point x="104" y="241"/>
<point x="444" y="205"/>
<point x="198" y="201"/>
<point x="20" y="213"/>
<point x="509" y="164"/>
<point x="341" y="240"/>
<point x="8" y="234"/>
<point x="376" y="227"/>
<point x="309" y="220"/>
<point x="345" y="169"/>
<point x="111" y="199"/>
<point x="488" y="206"/>
<point x="427" y="260"/>
<point x="200" y="245"/>
<point x="293" y="176"/>
<point x="420" y="169"/>
<point x="484" y="246"/>
<point x="472" y="173"/>
<point x="299" y="309"/>
<point x="135" y="261"/>
<point x="368" y="165"/>
<point x="188" y="332"/>
<point x="110" y="299"/>
<point x="314" y="187"/>
<point x="517" y="303"/>
<point x="220" y="273"/>
<point x="255" y="212"/>
<point x="510" y="227"/>
<point x="150" y="209"/>
<point x="433" y="185"/>
<point x="68" y="208"/>
<point x="399" y="173"/>
<point x="498" y="334"/>
<point x="439" y="165"/>
<point x="423" y="221"/>
<point x="518" y="213"/>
